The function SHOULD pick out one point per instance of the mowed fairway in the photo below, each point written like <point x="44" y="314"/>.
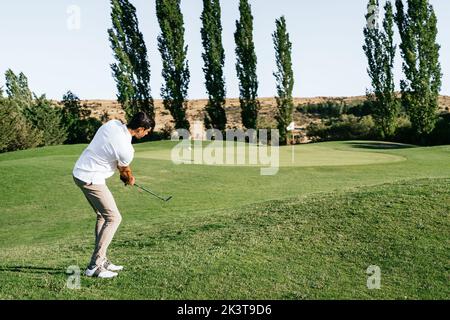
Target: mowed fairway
<point x="308" y="232"/>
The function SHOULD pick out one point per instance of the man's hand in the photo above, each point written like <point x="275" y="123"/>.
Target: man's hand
<point x="126" y="176"/>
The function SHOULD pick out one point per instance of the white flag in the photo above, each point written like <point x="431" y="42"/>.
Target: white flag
<point x="291" y="126"/>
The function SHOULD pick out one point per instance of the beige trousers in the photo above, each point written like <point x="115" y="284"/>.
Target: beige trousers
<point x="108" y="218"/>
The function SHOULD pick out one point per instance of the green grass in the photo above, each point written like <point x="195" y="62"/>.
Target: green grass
<point x="309" y="232"/>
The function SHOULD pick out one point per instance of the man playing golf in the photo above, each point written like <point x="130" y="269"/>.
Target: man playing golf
<point x="110" y="149"/>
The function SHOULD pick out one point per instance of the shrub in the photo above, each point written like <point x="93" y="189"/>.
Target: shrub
<point x="346" y="127"/>
<point x="327" y="109"/>
<point x="403" y="132"/>
<point x="441" y="132"/>
<point x="44" y="116"/>
<point x="85" y="129"/>
<point x="16" y="133"/>
<point x="362" y="109"/>
<point x="81" y="128"/>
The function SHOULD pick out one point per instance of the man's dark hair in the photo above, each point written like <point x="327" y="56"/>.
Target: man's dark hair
<point x="141" y="120"/>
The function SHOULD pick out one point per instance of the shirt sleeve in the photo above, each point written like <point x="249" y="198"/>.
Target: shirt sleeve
<point x="125" y="156"/>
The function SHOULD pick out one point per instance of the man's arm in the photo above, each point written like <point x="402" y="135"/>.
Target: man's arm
<point x="126" y="176"/>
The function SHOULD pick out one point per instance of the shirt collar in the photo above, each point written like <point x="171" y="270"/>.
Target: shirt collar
<point x="127" y="133"/>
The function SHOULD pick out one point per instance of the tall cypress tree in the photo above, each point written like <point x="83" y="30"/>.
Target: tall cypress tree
<point x="284" y="77"/>
<point x="132" y="69"/>
<point x="246" y="66"/>
<point x="214" y="60"/>
<point x="380" y="51"/>
<point x="420" y="52"/>
<point x="173" y="53"/>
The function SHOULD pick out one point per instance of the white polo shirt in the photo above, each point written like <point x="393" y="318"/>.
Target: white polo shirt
<point x="110" y="147"/>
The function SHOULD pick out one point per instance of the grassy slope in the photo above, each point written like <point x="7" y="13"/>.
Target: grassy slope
<point x="225" y="234"/>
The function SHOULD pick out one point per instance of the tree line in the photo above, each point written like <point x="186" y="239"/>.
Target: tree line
<point x="27" y="120"/>
<point x="132" y="65"/>
<point x="417" y="27"/>
<point x="419" y="50"/>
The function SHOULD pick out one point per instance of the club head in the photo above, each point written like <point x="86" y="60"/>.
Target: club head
<point x="168" y="198"/>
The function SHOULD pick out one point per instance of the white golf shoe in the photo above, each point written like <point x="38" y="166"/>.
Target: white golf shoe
<point x="112" y="267"/>
<point x="100" y="272"/>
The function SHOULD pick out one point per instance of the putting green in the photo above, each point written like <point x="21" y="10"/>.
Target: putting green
<point x="309" y="155"/>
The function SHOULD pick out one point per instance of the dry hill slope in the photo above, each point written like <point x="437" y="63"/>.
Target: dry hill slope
<point x="196" y="107"/>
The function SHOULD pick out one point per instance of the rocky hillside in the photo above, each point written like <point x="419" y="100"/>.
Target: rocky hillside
<point x="196" y="107"/>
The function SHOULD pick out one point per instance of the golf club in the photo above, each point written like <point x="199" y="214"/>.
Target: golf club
<point x="153" y="194"/>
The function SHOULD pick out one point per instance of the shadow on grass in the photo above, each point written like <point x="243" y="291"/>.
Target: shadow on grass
<point x="380" y="145"/>
<point x="32" y="269"/>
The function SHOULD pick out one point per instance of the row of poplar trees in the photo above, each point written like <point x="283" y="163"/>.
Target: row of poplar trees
<point x="417" y="26"/>
<point x="132" y="69"/>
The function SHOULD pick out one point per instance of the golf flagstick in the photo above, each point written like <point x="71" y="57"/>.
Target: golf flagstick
<point x="291" y="129"/>
<point x="153" y="194"/>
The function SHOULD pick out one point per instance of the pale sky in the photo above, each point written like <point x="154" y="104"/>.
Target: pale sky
<point x="326" y="34"/>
